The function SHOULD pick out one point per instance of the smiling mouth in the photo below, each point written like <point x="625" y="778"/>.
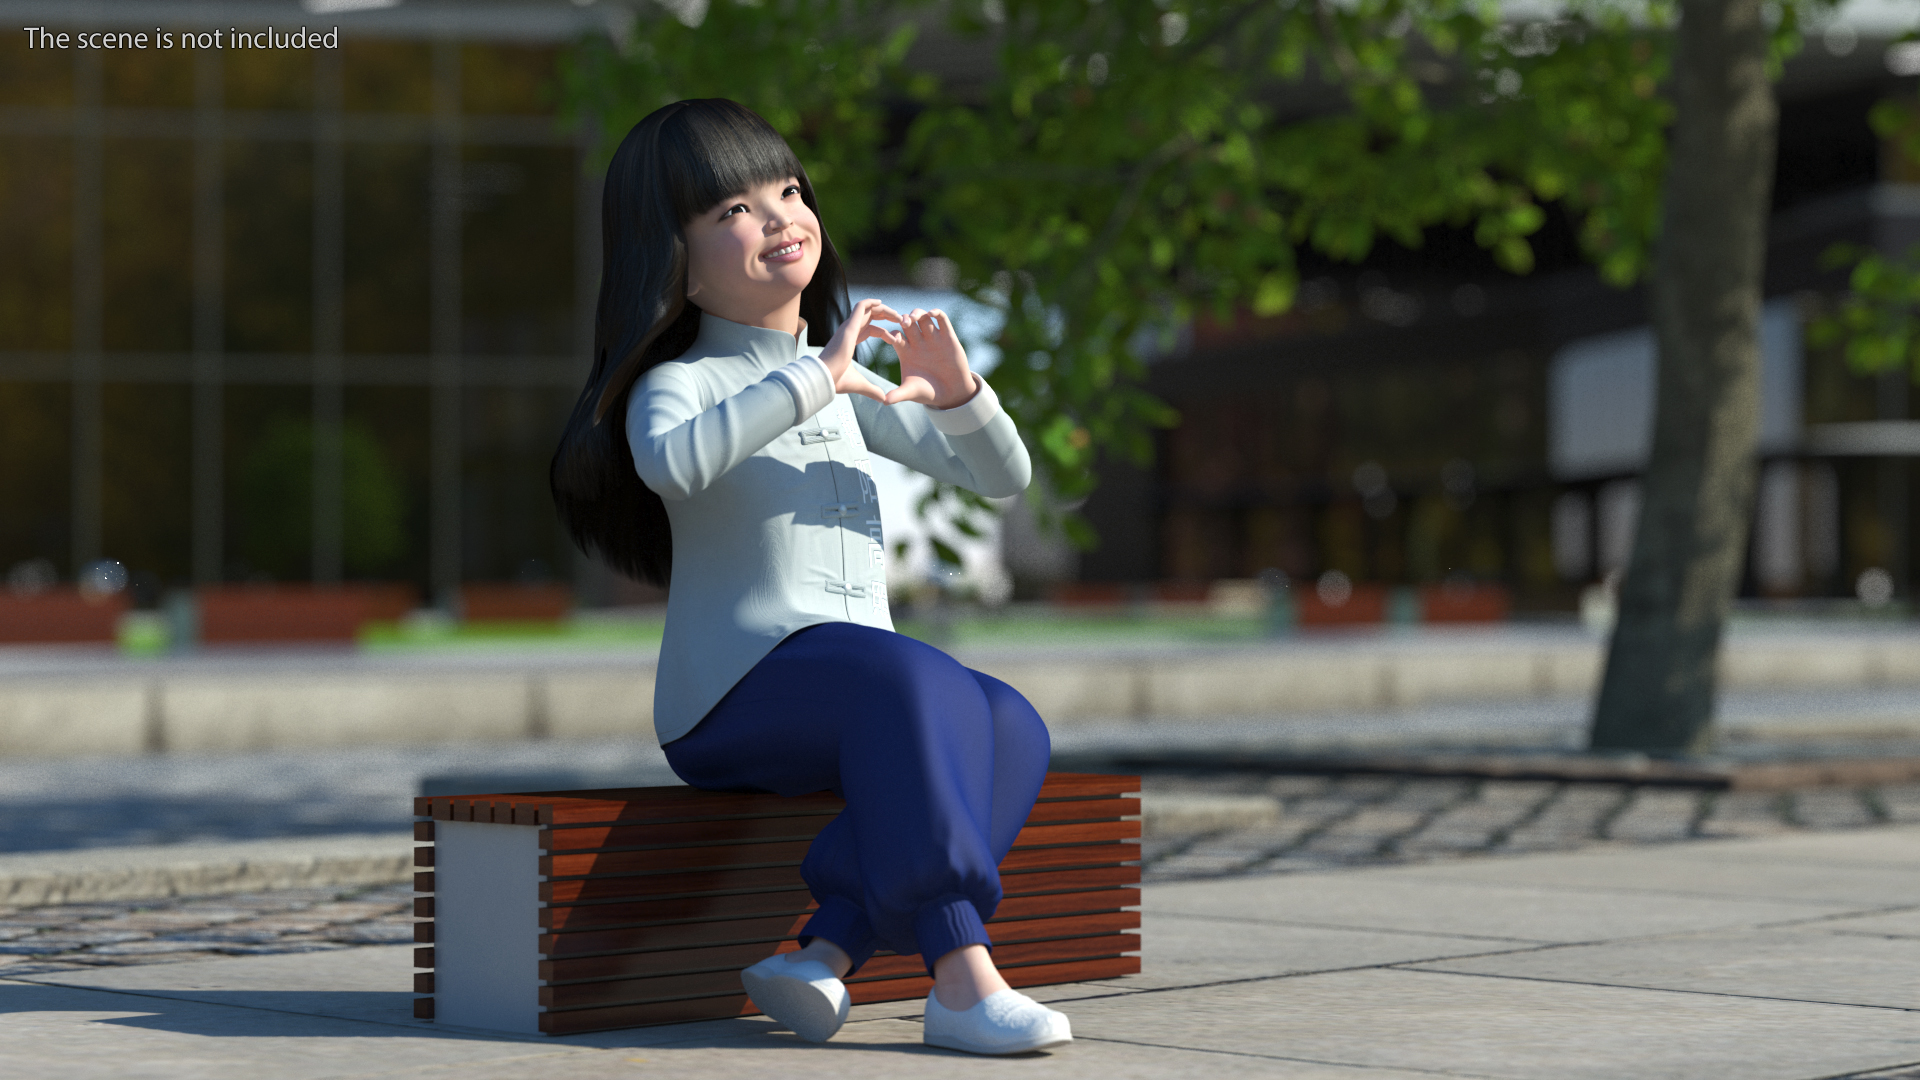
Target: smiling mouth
<point x="780" y="254"/>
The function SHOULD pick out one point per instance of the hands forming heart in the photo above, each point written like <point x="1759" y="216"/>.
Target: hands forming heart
<point x="933" y="364"/>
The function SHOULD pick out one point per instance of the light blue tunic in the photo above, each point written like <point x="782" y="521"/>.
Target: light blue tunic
<point x="776" y="523"/>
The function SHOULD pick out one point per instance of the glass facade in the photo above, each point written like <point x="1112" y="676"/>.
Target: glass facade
<point x="291" y="315"/>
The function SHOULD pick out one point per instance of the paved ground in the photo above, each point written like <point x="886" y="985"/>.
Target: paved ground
<point x="75" y="936"/>
<point x="1309" y="823"/>
<point x="1348" y="821"/>
<point x="1789" y="957"/>
<point x="112" y="801"/>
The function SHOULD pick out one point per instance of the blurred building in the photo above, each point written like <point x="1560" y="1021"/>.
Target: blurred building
<point x="1425" y="418"/>
<point x="281" y="313"/>
<point x="317" y="314"/>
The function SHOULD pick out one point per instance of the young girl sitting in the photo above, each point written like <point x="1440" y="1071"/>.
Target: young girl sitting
<point x="721" y="446"/>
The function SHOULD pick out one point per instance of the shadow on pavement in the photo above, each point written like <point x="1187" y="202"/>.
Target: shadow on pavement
<point x="377" y="1014"/>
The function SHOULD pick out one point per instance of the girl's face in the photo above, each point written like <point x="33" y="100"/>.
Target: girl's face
<point x="749" y="257"/>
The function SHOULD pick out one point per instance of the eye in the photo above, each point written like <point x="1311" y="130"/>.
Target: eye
<point x="792" y="189"/>
<point x="736" y="208"/>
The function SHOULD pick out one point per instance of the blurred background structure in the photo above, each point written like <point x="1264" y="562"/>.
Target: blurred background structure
<point x="310" y="317"/>
<point x="286" y="337"/>
<point x="292" y="316"/>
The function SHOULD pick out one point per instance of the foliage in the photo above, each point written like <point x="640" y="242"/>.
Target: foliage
<point x="276" y="488"/>
<point x="1132" y="164"/>
<point x="1131" y="169"/>
<point x="823" y="72"/>
<point x="1878" y="322"/>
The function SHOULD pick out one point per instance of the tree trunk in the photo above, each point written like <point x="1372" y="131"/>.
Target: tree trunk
<point x="1691" y="540"/>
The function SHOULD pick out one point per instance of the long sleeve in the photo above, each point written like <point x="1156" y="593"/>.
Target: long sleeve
<point x="680" y="447"/>
<point x="989" y="460"/>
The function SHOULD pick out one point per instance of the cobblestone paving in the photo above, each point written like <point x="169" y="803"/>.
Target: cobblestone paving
<point x="1324" y="822"/>
<point x="1328" y="821"/>
<point x="71" y="936"/>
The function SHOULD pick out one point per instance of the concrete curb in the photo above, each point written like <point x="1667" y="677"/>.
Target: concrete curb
<point x="154" y="873"/>
<point x="1638" y="769"/>
<point x="1173" y="813"/>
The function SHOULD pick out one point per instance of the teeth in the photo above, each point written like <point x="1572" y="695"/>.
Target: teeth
<point x="789" y="249"/>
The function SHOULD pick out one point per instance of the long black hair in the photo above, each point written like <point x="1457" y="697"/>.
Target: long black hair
<point x="674" y="165"/>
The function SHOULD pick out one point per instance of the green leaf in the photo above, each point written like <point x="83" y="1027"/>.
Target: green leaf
<point x="944" y="552"/>
<point x="1274" y="294"/>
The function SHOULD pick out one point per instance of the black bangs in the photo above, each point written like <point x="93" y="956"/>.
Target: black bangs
<point x="713" y="148"/>
<point x="674" y="165"/>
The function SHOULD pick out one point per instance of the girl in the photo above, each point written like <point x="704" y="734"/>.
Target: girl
<point x="721" y="445"/>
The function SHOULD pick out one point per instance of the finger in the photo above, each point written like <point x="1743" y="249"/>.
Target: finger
<point x="914" y="320"/>
<point x="874" y="330"/>
<point x="857" y="385"/>
<point x="946" y="323"/>
<point x="911" y="388"/>
<point x="882" y="311"/>
<point x="872" y="306"/>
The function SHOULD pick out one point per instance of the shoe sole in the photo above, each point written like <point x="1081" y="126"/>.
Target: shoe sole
<point x="796" y="1005"/>
<point x="1045" y="1042"/>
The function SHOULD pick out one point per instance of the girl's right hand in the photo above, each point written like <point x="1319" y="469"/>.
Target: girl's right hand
<point x="838" y="355"/>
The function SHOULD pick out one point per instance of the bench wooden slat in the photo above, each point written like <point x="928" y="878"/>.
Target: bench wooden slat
<point x="783" y="853"/>
<point x="623" y="805"/>
<point x="659" y="962"/>
<point x="1083" y="832"/>
<point x="684" y="883"/>
<point x="731" y="830"/>
<point x="1061" y="858"/>
<point x="1070" y="827"/>
<point x="699" y="835"/>
<point x="679" y="804"/>
<point x="1030" y="882"/>
<point x="744" y="905"/>
<point x="693" y="908"/>
<point x="673" y="936"/>
<point x="661" y="938"/>
<point x="782" y="878"/>
<point x="1066" y="785"/>
<point x="1083" y="810"/>
<point x="788" y="852"/>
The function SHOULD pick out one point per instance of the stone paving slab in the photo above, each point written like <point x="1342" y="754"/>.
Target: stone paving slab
<point x="1179" y="950"/>
<point x="1395" y="899"/>
<point x="1898" y="924"/>
<point x="1511" y="1028"/>
<point x="1719" y="870"/>
<point x="1806" y="964"/>
<point x="1868" y="847"/>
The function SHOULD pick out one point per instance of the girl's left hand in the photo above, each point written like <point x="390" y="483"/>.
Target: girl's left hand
<point x="838" y="354"/>
<point x="933" y="364"/>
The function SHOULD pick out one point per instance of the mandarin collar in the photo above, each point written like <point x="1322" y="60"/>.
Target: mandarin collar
<point x="766" y="349"/>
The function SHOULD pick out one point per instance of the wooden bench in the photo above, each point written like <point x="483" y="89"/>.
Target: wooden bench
<point x="563" y="912"/>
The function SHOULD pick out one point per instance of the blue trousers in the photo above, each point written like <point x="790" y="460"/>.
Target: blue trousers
<point x="939" y="764"/>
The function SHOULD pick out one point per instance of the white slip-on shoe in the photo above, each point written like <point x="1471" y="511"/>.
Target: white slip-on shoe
<point x="1006" y="1022"/>
<point x="803" y="996"/>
